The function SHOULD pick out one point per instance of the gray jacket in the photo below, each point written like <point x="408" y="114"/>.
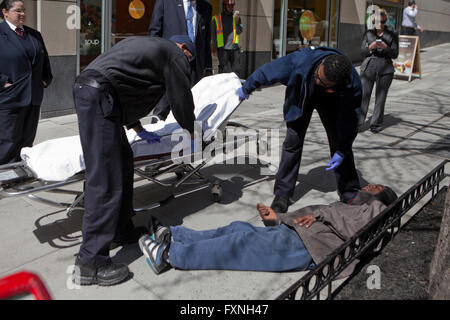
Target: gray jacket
<point x="335" y="224"/>
<point x="378" y="60"/>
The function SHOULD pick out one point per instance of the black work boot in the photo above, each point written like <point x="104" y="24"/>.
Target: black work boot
<point x="280" y="204"/>
<point x="107" y="275"/>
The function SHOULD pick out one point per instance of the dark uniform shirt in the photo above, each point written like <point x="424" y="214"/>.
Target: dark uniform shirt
<point x="141" y="70"/>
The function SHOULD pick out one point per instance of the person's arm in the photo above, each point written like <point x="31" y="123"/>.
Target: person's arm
<point x="346" y="220"/>
<point x="412" y="13"/>
<point x="47" y="75"/>
<point x="177" y="82"/>
<point x="137" y="126"/>
<point x="214" y="35"/>
<point x="239" y="26"/>
<point x="277" y="71"/>
<point x="155" y="28"/>
<point x="4" y="81"/>
<point x="391" y="50"/>
<point x="366" y="47"/>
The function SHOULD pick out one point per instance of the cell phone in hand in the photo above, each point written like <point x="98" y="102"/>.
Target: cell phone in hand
<point x="378" y="40"/>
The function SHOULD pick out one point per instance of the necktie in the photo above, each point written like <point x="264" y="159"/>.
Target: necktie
<point x="190" y="20"/>
<point x="19" y="31"/>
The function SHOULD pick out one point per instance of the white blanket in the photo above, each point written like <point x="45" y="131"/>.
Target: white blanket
<point x="215" y="99"/>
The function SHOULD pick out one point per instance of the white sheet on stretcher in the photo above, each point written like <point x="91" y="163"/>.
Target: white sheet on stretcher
<point x="215" y="99"/>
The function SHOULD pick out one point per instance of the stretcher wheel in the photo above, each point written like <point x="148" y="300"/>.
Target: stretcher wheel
<point x="216" y="191"/>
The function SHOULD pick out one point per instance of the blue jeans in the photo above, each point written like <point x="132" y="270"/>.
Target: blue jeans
<point x="238" y="246"/>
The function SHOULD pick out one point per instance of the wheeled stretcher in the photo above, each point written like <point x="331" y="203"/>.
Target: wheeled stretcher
<point x="54" y="164"/>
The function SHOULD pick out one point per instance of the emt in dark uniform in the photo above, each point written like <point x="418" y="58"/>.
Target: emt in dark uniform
<point x="118" y="88"/>
<point x="325" y="80"/>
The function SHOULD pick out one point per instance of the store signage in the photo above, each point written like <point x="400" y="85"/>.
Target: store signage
<point x="136" y="9"/>
<point x="407" y="63"/>
<point x="307" y="25"/>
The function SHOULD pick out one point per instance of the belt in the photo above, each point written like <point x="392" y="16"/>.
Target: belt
<point x="408" y="27"/>
<point x="88" y="82"/>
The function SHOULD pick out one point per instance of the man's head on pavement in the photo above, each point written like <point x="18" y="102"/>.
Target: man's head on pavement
<point x="228" y="6"/>
<point x="381" y="193"/>
<point x="333" y="71"/>
<point x="185" y="43"/>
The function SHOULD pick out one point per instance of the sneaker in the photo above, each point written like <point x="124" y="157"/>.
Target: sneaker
<point x="280" y="204"/>
<point x="154" y="253"/>
<point x="158" y="232"/>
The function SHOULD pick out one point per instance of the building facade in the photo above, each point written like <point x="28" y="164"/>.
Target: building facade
<point x="77" y="31"/>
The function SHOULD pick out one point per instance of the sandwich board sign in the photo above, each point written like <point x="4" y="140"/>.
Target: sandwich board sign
<point x="407" y="64"/>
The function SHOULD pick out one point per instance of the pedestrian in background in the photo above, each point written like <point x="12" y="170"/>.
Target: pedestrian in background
<point x="409" y="24"/>
<point x="226" y="28"/>
<point x="379" y="47"/>
<point x="24" y="73"/>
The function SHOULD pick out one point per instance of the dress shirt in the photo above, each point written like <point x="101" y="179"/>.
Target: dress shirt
<point x="409" y="17"/>
<point x="13" y="27"/>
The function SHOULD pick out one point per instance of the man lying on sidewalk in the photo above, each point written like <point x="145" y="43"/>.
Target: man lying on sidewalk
<point x="291" y="241"/>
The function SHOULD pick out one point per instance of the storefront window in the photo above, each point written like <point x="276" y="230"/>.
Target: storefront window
<point x="130" y="18"/>
<point x="91" y="31"/>
<point x="125" y="19"/>
<point x="307" y="23"/>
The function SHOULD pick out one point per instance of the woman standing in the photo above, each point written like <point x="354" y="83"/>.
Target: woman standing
<point x="24" y="73"/>
<point x="379" y="47"/>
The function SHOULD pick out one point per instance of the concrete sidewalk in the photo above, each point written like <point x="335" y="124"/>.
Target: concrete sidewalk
<point x="416" y="139"/>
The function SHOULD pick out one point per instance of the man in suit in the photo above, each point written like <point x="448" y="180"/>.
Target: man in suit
<point x="184" y="17"/>
<point x="24" y="73"/>
<point x="117" y="89"/>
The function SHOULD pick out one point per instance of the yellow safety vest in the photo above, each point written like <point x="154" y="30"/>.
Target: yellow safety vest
<point x="219" y="28"/>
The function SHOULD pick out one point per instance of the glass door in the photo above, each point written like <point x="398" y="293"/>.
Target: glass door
<point x="90" y="31"/>
<point x="130" y="18"/>
<point x="104" y="23"/>
<point x="303" y="23"/>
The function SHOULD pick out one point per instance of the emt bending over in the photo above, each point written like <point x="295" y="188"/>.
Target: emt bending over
<point x="325" y="80"/>
<point x="292" y="241"/>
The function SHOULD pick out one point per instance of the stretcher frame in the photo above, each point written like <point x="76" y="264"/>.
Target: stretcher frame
<point x="145" y="169"/>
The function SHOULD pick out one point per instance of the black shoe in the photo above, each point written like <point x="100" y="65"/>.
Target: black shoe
<point x="128" y="238"/>
<point x="106" y="275"/>
<point x="376" y="129"/>
<point x="280" y="204"/>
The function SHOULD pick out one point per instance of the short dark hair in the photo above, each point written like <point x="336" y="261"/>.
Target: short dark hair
<point x="7" y="5"/>
<point x="337" y="68"/>
<point x="387" y="196"/>
<point x="410" y="3"/>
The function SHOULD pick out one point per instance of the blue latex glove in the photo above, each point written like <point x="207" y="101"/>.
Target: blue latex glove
<point x="242" y="95"/>
<point x="151" y="137"/>
<point x="335" y="161"/>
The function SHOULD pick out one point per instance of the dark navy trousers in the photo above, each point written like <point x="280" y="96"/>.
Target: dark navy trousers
<point x="291" y="156"/>
<point x="18" y="127"/>
<point x="109" y="173"/>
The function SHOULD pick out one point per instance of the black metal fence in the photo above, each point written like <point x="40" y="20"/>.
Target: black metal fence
<point x="379" y="231"/>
